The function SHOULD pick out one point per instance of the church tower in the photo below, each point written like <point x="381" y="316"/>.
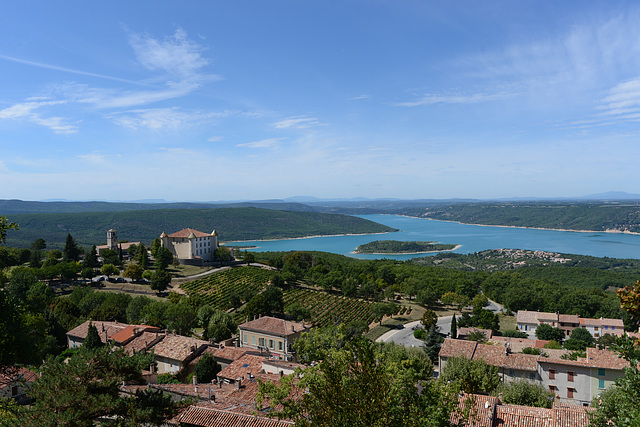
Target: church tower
<point x="112" y="239"/>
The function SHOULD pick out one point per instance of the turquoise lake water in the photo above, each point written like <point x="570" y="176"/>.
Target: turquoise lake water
<point x="473" y="238"/>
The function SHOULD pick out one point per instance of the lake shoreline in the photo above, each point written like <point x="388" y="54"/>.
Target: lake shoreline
<point x="310" y="237"/>
<point x="609" y="231"/>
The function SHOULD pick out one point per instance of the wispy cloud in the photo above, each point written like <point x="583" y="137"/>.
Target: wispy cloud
<point x="178" y="58"/>
<point x="215" y="139"/>
<point x="474" y="98"/>
<point x="297" y="122"/>
<point x="359" y="97"/>
<point x="28" y="111"/>
<point x="263" y="143"/>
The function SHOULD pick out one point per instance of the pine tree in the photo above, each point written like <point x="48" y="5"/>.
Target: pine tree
<point x="432" y="343"/>
<point x="454" y="327"/>
<point x="71" y="251"/>
<point x="90" y="258"/>
<point x="142" y="257"/>
<point x="93" y="339"/>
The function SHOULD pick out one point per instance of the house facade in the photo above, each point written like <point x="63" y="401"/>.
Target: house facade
<point x="528" y="321"/>
<point x="190" y="244"/>
<point x="575" y="382"/>
<point x="272" y="336"/>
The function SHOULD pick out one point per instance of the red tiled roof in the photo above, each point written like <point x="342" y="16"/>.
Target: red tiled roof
<point x="12" y="374"/>
<point x="605" y="359"/>
<point x="453" y="348"/>
<point x="209" y="417"/>
<point x="524" y="316"/>
<point x="177" y="347"/>
<point x="569" y="318"/>
<point x="128" y="333"/>
<point x="185" y="233"/>
<point x="226" y="354"/>
<point x="273" y="326"/>
<point x="523" y="416"/>
<point x="143" y="342"/>
<point x="110" y="328"/>
<point x="241" y="367"/>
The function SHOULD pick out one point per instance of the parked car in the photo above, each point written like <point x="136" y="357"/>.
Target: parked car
<point x="111" y="279"/>
<point x="120" y="280"/>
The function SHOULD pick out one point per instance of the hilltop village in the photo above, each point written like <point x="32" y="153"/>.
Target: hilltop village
<point x="189" y="332"/>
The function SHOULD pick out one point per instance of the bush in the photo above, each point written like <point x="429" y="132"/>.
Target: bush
<point x="534" y="351"/>
<point x="167" y="379"/>
<point x="514" y="333"/>
<point x="526" y="393"/>
<point x="420" y="334"/>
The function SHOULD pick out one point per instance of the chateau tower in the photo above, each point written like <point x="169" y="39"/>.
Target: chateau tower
<point x="112" y="239"/>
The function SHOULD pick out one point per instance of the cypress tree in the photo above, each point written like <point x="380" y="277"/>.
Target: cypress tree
<point x="454" y="327"/>
<point x="93" y="339"/>
<point x="71" y="251"/>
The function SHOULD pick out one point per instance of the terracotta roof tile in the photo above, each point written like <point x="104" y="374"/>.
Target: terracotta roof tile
<point x="128" y="333"/>
<point x="226" y="354"/>
<point x="12" y="374"/>
<point x="177" y="347"/>
<point x="143" y="342"/>
<point x="185" y="233"/>
<point x="523" y="416"/>
<point x="241" y="367"/>
<point x="273" y="326"/>
<point x="524" y="316"/>
<point x="210" y="417"/>
<point x="110" y="328"/>
<point x="453" y="348"/>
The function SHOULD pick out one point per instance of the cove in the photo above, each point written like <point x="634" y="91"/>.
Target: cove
<point x="472" y="238"/>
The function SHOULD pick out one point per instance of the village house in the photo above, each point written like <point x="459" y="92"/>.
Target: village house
<point x="15" y="383"/>
<point x="106" y="330"/>
<point x="174" y="352"/>
<point x="191" y="246"/>
<point x="272" y="336"/>
<point x="528" y="321"/>
<point x="575" y="382"/>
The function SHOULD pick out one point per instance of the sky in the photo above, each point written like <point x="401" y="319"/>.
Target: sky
<point x="248" y="100"/>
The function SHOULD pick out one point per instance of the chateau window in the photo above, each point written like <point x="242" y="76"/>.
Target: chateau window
<point x="601" y="372"/>
<point x="570" y="392"/>
<point x="552" y="374"/>
<point x="571" y="376"/>
<point x="600" y="383"/>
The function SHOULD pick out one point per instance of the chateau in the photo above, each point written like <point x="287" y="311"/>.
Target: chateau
<point x="191" y="246"/>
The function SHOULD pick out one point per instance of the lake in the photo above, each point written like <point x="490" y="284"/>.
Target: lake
<point x="472" y="238"/>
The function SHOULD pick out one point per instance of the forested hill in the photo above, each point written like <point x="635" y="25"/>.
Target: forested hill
<point x="9" y="207"/>
<point x="230" y="223"/>
<point x="578" y="216"/>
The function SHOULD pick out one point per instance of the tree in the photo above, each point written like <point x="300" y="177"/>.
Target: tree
<point x="5" y="226"/>
<point x="86" y="388"/>
<point x="71" y="251"/>
<point x="142" y="256"/>
<point x="110" y="270"/>
<point x="133" y="271"/>
<point x="480" y="300"/>
<point x="249" y="257"/>
<point x="381" y="309"/>
<point x="39" y="244"/>
<point x="298" y="312"/>
<point x="222" y="254"/>
<point x="93" y="340"/>
<point x="525" y="393"/>
<point x="473" y="376"/>
<point x="135" y="309"/>
<point x="429" y="318"/>
<point x="221" y="326"/>
<point x="90" y="258"/>
<point x="156" y="244"/>
<point x="454" y="327"/>
<point x="267" y="303"/>
<point x="360" y="385"/>
<point x="207" y="368"/>
<point x="432" y="343"/>
<point x="548" y="332"/>
<point x="180" y="318"/>
<point x="109" y="256"/>
<point x="579" y="340"/>
<point x="478" y="336"/>
<point x="204" y="315"/>
<point x="160" y="280"/>
<point x="164" y="258"/>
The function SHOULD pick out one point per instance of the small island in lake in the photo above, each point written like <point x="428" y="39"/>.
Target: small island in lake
<point x="398" y="247"/>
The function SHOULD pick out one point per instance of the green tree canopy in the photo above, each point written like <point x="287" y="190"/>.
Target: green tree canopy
<point x="579" y="340"/>
<point x="160" y="280"/>
<point x="548" y="332"/>
<point x="71" y="251"/>
<point x="473" y="376"/>
<point x="525" y="393"/>
<point x="221" y="326"/>
<point x="207" y="368"/>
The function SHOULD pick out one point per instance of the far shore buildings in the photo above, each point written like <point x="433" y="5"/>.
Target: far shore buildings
<point x="528" y="321"/>
<point x="191" y="246"/>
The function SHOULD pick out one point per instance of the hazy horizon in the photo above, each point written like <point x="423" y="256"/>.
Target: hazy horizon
<point x="253" y="100"/>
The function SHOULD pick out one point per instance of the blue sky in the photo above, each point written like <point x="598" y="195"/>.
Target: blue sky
<point x="213" y="100"/>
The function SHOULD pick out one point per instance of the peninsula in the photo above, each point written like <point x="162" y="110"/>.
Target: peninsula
<point x="398" y="247"/>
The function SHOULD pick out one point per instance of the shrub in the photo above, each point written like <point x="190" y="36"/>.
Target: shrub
<point x="514" y="333"/>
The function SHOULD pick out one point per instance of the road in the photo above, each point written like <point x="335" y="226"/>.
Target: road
<point x="405" y="336"/>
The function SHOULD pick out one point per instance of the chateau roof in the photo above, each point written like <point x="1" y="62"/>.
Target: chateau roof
<point x="187" y="234"/>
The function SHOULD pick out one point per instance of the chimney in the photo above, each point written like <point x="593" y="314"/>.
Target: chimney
<point x="281" y="374"/>
<point x="195" y="380"/>
<point x="293" y="329"/>
<point x="238" y="381"/>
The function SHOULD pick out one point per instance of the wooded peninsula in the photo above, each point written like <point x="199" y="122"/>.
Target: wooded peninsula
<point x="398" y="247"/>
